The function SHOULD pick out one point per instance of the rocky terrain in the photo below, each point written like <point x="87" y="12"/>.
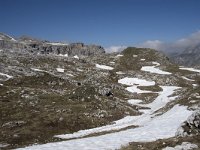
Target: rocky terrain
<point x="76" y="96"/>
<point x="35" y="46"/>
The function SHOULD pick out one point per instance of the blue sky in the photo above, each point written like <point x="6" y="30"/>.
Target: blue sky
<point x="104" y="22"/>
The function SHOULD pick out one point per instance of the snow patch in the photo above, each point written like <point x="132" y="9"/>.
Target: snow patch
<point x="135" y="89"/>
<point x="76" y="57"/>
<point x="128" y="120"/>
<point x="183" y="146"/>
<point x="119" y="55"/>
<point x="156" y="63"/>
<point x="39" y="70"/>
<point x="187" y="78"/>
<point x="135" y="56"/>
<point x="79" y="69"/>
<point x="134" y="101"/>
<point x="69" y="74"/>
<point x="160" y="127"/>
<point x="195" y="85"/>
<point x="104" y="67"/>
<point x="152" y="69"/>
<point x="190" y="69"/>
<point x="3" y="145"/>
<point x="136" y="81"/>
<point x="65" y="55"/>
<point x="60" y="70"/>
<point x="162" y="99"/>
<point x="7" y="76"/>
<point x="142" y="59"/>
<point x="58" y="44"/>
<point x="120" y="72"/>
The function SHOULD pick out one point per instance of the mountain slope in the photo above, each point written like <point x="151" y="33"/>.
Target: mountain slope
<point x="96" y="101"/>
<point x="189" y="57"/>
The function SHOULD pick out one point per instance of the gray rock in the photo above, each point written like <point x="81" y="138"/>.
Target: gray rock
<point x="45" y="47"/>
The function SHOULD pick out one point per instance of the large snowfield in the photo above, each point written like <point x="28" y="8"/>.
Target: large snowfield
<point x="149" y="125"/>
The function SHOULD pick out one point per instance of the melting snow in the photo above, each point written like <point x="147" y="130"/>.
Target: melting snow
<point x="11" y="38"/>
<point x="104" y="67"/>
<point x="142" y="59"/>
<point x="190" y="69"/>
<point x="119" y="55"/>
<point x="159" y="102"/>
<point x="79" y="69"/>
<point x="39" y="70"/>
<point x="194" y="85"/>
<point x="136" y="81"/>
<point x="65" y="55"/>
<point x="120" y="72"/>
<point x="69" y="74"/>
<point x="164" y="126"/>
<point x="150" y="128"/>
<point x="183" y="146"/>
<point x="7" y="76"/>
<point x="135" y="56"/>
<point x="156" y="63"/>
<point x="3" y="145"/>
<point x="187" y="78"/>
<point x="57" y="43"/>
<point x="135" y="89"/>
<point x="152" y="69"/>
<point x="197" y="96"/>
<point x="162" y="99"/>
<point x="60" y="70"/>
<point x="76" y="57"/>
<point x="134" y="101"/>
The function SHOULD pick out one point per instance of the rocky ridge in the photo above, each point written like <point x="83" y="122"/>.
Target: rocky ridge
<point x="45" y="47"/>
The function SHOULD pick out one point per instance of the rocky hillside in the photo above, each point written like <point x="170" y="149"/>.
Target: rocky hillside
<point x="78" y="97"/>
<point x="189" y="57"/>
<point x="27" y="44"/>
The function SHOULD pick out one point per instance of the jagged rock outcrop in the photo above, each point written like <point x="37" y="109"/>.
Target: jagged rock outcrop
<point x="72" y="49"/>
<point x="44" y="47"/>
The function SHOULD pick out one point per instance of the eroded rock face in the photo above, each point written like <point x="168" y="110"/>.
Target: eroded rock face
<point x="7" y="44"/>
<point x="45" y="47"/>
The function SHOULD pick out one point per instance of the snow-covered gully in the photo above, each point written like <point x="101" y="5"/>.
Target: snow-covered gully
<point x="150" y="127"/>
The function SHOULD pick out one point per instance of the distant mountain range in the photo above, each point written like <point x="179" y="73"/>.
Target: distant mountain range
<point x="189" y="57"/>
